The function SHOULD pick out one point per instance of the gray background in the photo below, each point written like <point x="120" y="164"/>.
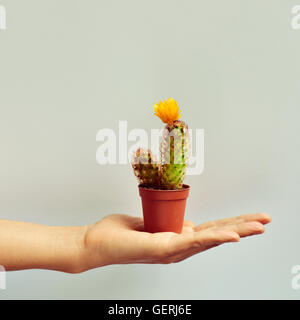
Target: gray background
<point x="69" y="68"/>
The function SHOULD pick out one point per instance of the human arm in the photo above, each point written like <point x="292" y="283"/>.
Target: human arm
<point x="116" y="239"/>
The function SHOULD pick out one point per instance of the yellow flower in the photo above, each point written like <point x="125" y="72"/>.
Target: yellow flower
<point x="168" y="110"/>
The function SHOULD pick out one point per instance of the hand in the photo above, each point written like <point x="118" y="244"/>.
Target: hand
<point x="120" y="239"/>
<point x="116" y="239"/>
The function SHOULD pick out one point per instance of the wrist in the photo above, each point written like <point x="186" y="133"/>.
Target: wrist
<point x="92" y="249"/>
<point x="71" y="249"/>
<point x="81" y="253"/>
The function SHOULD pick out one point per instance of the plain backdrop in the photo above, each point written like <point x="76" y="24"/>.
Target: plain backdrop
<point x="69" y="68"/>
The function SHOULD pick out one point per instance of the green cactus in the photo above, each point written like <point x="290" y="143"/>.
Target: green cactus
<point x="174" y="152"/>
<point x="174" y="155"/>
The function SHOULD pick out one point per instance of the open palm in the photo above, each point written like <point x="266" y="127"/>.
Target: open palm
<point x="120" y="239"/>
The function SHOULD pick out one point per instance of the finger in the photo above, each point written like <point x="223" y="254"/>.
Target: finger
<point x="182" y="247"/>
<point x="205" y="239"/>
<point x="260" y="217"/>
<point x="263" y="218"/>
<point x="215" y="237"/>
<point x="246" y="229"/>
<point x="209" y="238"/>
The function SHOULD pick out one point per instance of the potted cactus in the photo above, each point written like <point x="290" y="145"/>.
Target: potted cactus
<point x="161" y="185"/>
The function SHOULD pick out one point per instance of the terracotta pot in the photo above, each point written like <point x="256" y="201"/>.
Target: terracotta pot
<point x="164" y="210"/>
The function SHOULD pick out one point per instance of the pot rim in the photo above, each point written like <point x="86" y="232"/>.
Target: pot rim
<point x="185" y="187"/>
<point x="164" y="195"/>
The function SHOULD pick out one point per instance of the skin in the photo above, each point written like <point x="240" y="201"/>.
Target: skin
<point x="116" y="239"/>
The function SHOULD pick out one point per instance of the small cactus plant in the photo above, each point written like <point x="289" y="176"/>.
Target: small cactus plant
<point x="146" y="168"/>
<point x="169" y="173"/>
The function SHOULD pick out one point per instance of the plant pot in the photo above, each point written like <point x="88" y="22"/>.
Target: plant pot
<point x="164" y="210"/>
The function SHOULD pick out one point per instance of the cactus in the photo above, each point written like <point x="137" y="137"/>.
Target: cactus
<point x="174" y="155"/>
<point x="146" y="168"/>
<point x="174" y="152"/>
